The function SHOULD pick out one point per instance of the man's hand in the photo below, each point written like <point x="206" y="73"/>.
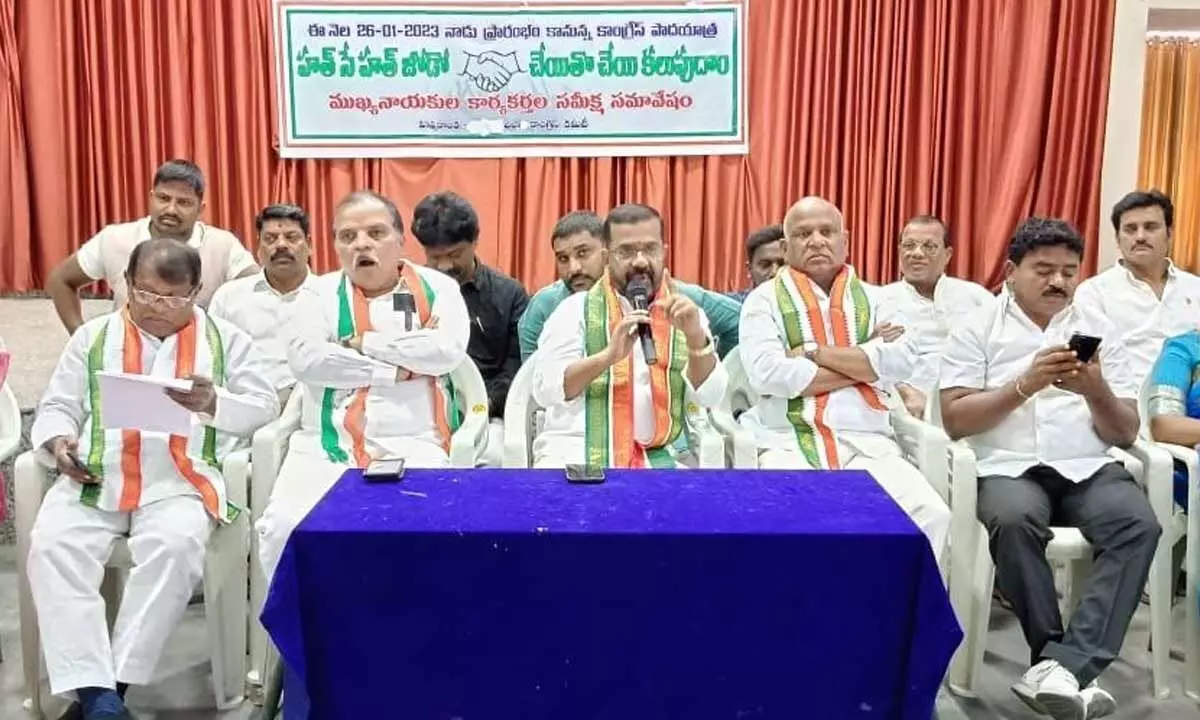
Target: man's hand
<point x="887" y="332"/>
<point x="1088" y="381"/>
<point x="66" y="459"/>
<point x="684" y="316"/>
<point x="355" y="343"/>
<point x="914" y="399"/>
<point x="624" y="335"/>
<point x="1057" y="362"/>
<point x="202" y="398"/>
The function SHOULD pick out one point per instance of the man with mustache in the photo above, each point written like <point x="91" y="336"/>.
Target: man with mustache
<point x="1147" y="297"/>
<point x="373" y="376"/>
<point x="764" y="257"/>
<point x="1041" y="423"/>
<point x="810" y="351"/>
<point x="448" y="229"/>
<point x="580" y="258"/>
<point x="176" y="201"/>
<point x="165" y="493"/>
<point x="932" y="302"/>
<point x="607" y="404"/>
<point x="274" y="304"/>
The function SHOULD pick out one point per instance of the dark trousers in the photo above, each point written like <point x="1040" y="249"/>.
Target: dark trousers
<point x="1113" y="514"/>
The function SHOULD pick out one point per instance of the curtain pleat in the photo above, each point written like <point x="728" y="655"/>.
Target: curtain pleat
<point x="982" y="112"/>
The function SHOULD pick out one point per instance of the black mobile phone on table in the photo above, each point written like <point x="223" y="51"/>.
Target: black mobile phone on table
<point x="386" y="470"/>
<point x="585" y="474"/>
<point x="1085" y="346"/>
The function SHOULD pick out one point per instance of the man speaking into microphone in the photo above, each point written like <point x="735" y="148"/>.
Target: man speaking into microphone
<point x="618" y="365"/>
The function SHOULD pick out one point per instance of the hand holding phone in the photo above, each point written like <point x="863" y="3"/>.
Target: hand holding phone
<point x="1084" y="346"/>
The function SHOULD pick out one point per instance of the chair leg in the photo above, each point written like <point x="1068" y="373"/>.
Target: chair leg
<point x="1161" y="594"/>
<point x="971" y="597"/>
<point x="257" y="634"/>
<point x="31" y="638"/>
<point x="225" y="607"/>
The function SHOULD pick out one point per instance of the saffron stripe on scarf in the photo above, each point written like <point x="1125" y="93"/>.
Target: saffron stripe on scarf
<point x="131" y="440"/>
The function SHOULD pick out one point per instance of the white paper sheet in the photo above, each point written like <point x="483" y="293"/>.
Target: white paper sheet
<point x="140" y="402"/>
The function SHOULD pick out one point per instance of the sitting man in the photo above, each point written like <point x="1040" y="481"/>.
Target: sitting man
<point x="164" y="492"/>
<point x="1041" y="423"/>
<point x="929" y="300"/>
<point x="607" y="404"/>
<point x="580" y="258"/>
<point x="809" y="352"/>
<point x="448" y="229"/>
<point x="176" y="201"/>
<point x="274" y="304"/>
<point x="765" y="254"/>
<point x="373" y="376"/>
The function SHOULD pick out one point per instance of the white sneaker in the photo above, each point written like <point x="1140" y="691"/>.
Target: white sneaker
<point x="1050" y="689"/>
<point x="1097" y="701"/>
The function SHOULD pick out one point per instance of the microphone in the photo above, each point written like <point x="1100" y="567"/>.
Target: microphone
<point x="403" y="301"/>
<point x="639" y="293"/>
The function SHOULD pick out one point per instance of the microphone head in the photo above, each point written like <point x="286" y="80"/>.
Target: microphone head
<point x="639" y="288"/>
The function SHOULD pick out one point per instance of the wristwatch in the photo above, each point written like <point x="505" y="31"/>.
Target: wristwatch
<point x="810" y="351"/>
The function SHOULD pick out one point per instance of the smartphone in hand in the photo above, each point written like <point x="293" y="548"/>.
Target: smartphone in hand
<point x="1085" y="346"/>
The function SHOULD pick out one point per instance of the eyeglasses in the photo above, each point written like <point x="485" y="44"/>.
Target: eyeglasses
<point x="928" y="246"/>
<point x="626" y="254"/>
<point x="172" y="302"/>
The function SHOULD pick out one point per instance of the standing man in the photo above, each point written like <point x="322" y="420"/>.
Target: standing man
<point x="811" y="354"/>
<point x="606" y="404"/>
<point x="931" y="302"/>
<point x="448" y="229"/>
<point x="164" y="492"/>
<point x="1041" y="423"/>
<point x="272" y="305"/>
<point x="176" y="201"/>
<point x="373" y="373"/>
<point x="580" y="258"/>
<point x="1145" y="296"/>
<point x="764" y="257"/>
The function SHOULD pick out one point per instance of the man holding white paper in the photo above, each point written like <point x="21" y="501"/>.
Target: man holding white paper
<point x="374" y="378"/>
<point x="163" y="491"/>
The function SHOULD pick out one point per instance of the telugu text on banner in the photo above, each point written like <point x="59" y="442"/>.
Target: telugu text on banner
<point x="491" y="79"/>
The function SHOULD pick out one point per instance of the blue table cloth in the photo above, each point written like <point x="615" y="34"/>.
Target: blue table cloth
<point x="498" y="594"/>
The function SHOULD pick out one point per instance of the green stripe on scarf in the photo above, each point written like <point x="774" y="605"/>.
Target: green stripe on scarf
<point x="329" y="433"/>
<point x="676" y="388"/>
<point x="796" y="407"/>
<point x="862" y="311"/>
<point x="90" y="495"/>
<point x="597" y="399"/>
<point x="217" y="347"/>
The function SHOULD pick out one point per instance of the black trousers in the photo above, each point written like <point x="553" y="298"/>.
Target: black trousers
<point x="1113" y="514"/>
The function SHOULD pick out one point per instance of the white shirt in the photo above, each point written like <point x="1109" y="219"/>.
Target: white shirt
<point x="777" y="378"/>
<point x="394" y="410"/>
<point x="928" y="322"/>
<point x="106" y="256"/>
<point x="1053" y="428"/>
<point x="562" y="344"/>
<point x="270" y="317"/>
<point x="1138" y="315"/>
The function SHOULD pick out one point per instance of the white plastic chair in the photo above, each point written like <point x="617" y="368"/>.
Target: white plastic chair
<point x="270" y="448"/>
<point x="10" y="424"/>
<point x="922" y="444"/>
<point x="523" y="422"/>
<point x="225" y="581"/>
<point x="972" y="573"/>
<point x="1181" y="525"/>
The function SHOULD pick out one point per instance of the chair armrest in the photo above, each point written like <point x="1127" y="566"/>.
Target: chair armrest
<point x="1158" y="476"/>
<point x="1133" y="461"/>
<point x="31" y="479"/>
<point x="708" y="443"/>
<point x="743" y="448"/>
<point x="927" y="448"/>
<point x="470" y="437"/>
<point x="236" y="473"/>
<point x="267" y="451"/>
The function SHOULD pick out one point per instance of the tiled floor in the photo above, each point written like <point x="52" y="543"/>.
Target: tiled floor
<point x="183" y="688"/>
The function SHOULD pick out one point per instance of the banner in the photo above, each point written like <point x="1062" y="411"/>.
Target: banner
<point x="490" y="79"/>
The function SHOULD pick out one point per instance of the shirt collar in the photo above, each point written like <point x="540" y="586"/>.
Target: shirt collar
<point x="261" y="284"/>
<point x="1133" y="279"/>
<point x="482" y="277"/>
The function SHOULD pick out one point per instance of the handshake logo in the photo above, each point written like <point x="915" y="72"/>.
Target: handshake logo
<point x="491" y="71"/>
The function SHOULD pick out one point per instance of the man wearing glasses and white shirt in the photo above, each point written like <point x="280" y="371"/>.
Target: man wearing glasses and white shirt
<point x="930" y="302"/>
<point x="1145" y="296"/>
<point x="274" y="304"/>
<point x="1041" y="418"/>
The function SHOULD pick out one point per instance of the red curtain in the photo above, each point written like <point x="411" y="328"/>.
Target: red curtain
<point x="982" y="112"/>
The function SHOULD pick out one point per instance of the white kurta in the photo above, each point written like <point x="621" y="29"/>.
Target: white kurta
<point x="71" y="542"/>
<point x="270" y="317"/>
<point x="863" y="434"/>
<point x="399" y="416"/>
<point x="928" y="322"/>
<point x="561" y="441"/>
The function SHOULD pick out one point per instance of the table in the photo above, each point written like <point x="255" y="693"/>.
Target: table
<point x="497" y="594"/>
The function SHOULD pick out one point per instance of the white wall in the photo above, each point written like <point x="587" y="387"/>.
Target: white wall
<point x="1123" y="126"/>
